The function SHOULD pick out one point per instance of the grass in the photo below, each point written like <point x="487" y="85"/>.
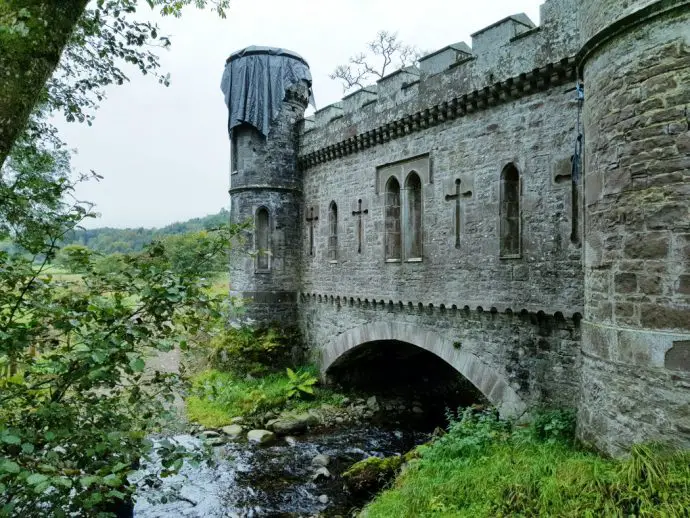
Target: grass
<point x="488" y="470"/>
<point x="218" y="396"/>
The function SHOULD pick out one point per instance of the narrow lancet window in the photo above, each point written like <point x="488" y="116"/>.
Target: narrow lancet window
<point x="413" y="217"/>
<point x="262" y="243"/>
<point x="233" y="153"/>
<point x="510" y="212"/>
<point x="333" y="232"/>
<point x="392" y="216"/>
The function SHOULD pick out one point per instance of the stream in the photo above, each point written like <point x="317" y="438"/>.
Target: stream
<point x="247" y="480"/>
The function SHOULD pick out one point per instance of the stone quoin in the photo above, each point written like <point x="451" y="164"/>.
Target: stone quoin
<point x="519" y="208"/>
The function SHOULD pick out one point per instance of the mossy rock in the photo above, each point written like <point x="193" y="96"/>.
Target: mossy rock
<point x="371" y="475"/>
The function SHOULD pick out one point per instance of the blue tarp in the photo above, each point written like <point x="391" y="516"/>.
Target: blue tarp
<point x="255" y="81"/>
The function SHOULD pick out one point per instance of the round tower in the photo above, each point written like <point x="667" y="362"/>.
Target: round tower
<point x="635" y="63"/>
<point x="267" y="91"/>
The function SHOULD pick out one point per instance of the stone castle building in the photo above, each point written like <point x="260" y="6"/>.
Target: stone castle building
<point x="533" y="234"/>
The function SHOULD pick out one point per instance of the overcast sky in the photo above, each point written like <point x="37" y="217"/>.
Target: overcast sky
<point x="164" y="151"/>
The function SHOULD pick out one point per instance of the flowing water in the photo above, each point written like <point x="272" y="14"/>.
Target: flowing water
<point x="247" y="480"/>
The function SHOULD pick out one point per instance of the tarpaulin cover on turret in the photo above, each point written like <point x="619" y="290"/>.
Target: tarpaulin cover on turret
<point x="255" y="81"/>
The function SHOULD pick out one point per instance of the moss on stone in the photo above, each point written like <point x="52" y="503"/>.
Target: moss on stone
<point x="370" y="475"/>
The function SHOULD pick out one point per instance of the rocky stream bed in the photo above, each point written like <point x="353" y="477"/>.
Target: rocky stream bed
<point x="291" y="466"/>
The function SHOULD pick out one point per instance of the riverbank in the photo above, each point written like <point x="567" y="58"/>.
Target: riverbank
<point x="487" y="468"/>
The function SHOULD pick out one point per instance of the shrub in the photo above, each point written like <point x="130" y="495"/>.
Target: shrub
<point x="253" y="350"/>
<point x="300" y="384"/>
<point x="554" y="425"/>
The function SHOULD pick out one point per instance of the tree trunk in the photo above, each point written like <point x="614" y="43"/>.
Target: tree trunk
<point x="33" y="34"/>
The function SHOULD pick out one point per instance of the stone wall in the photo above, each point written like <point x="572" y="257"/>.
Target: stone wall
<point x="534" y="355"/>
<point x="636" y="333"/>
<point x="266" y="176"/>
<point x="613" y="246"/>
<point x="536" y="133"/>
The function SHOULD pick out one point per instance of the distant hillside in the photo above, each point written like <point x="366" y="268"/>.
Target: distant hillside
<point x="124" y="240"/>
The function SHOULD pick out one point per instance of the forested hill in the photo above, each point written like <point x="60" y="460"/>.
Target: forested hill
<point x="124" y="240"/>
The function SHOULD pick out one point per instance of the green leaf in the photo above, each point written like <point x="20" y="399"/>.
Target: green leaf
<point x="62" y="482"/>
<point x="11" y="439"/>
<point x="28" y="448"/>
<point x="137" y="365"/>
<point x="112" y="480"/>
<point x="119" y="467"/>
<point x="8" y="466"/>
<point x="36" y="478"/>
<point x="291" y="374"/>
<point x="40" y="488"/>
<point x="99" y="356"/>
<point x="88" y="481"/>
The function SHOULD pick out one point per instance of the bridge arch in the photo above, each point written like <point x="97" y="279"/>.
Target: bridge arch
<point x="485" y="378"/>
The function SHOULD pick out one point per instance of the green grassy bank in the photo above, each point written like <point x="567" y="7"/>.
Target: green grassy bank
<point x="486" y="468"/>
<point x="218" y="396"/>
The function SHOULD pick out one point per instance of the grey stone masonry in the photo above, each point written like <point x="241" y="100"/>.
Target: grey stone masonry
<point x="450" y="206"/>
<point x="265" y="177"/>
<point x="636" y="373"/>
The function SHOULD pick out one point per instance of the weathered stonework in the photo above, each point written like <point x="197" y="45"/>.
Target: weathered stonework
<point x="591" y="307"/>
<point x="636" y="64"/>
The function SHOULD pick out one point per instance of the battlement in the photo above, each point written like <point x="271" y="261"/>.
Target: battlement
<point x="508" y="59"/>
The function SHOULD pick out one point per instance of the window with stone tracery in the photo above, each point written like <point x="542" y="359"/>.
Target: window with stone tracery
<point x="510" y="212"/>
<point x="413" y="217"/>
<point x="333" y="232"/>
<point x="262" y="240"/>
<point x="392" y="221"/>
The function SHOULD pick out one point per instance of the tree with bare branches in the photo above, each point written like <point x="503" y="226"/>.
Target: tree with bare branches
<point x="385" y="53"/>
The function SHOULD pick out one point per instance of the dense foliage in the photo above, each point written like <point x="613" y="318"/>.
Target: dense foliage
<point x="255" y="350"/>
<point x="75" y="402"/>
<point x="217" y="396"/>
<point x="127" y="240"/>
<point x="484" y="467"/>
<point x="94" y="42"/>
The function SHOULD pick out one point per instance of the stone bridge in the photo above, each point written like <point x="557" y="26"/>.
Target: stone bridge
<point x="515" y="360"/>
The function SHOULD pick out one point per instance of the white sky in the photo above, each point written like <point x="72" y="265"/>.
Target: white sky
<point x="164" y="151"/>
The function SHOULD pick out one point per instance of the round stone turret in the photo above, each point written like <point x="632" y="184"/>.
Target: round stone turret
<point x="267" y="91"/>
<point x="635" y="62"/>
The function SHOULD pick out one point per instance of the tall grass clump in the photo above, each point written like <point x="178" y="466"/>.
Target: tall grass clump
<point x="485" y="467"/>
<point x="216" y="397"/>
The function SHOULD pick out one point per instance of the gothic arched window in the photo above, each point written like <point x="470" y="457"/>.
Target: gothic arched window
<point x="510" y="212"/>
<point x="413" y="217"/>
<point x="392" y="220"/>
<point x="262" y="240"/>
<point x="333" y="232"/>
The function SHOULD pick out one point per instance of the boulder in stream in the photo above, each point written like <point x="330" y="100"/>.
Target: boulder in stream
<point x="321" y="460"/>
<point x="215" y="441"/>
<point x="292" y="424"/>
<point x="373" y="404"/>
<point x="232" y="430"/>
<point x="321" y="473"/>
<point x="263" y="437"/>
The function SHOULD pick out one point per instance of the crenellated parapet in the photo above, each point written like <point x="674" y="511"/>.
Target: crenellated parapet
<point x="509" y="59"/>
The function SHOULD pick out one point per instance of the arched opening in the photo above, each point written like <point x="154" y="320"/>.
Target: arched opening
<point x="333" y="231"/>
<point x="510" y="212"/>
<point x="393" y="251"/>
<point x="262" y="243"/>
<point x="413" y="217"/>
<point x="413" y="382"/>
